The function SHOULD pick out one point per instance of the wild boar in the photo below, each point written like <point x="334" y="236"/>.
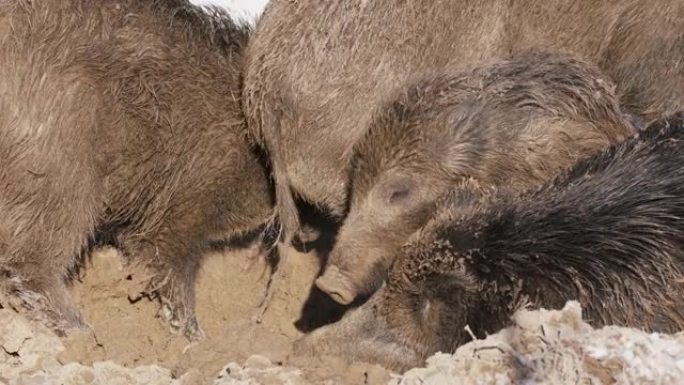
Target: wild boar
<point x="316" y="70"/>
<point x="514" y="123"/>
<point x="121" y="122"/>
<point x="608" y="233"/>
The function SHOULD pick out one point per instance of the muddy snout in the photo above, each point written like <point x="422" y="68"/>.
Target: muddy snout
<point x="337" y="285"/>
<point x="351" y="275"/>
<point x="361" y="335"/>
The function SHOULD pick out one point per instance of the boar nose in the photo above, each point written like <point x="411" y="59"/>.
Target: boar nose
<point x="337" y="285"/>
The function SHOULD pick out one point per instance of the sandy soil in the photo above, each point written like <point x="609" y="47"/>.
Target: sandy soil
<point x="131" y="346"/>
<point x="230" y="289"/>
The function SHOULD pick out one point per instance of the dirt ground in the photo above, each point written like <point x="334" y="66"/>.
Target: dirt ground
<point x="130" y="346"/>
<point x="230" y="289"/>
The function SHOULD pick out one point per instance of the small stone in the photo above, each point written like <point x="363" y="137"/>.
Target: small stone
<point x="33" y="379"/>
<point x="76" y="374"/>
<point x="192" y="377"/>
<point x="14" y="331"/>
<point x="258" y="362"/>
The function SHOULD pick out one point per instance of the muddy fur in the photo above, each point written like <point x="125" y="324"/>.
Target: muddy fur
<point x="608" y="233"/>
<point x="516" y="123"/>
<point x="316" y="69"/>
<point x="121" y="123"/>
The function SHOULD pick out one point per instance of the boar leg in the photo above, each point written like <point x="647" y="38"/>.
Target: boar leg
<point x="174" y="287"/>
<point x="172" y="255"/>
<point x="39" y="245"/>
<point x="48" y="210"/>
<point x="47" y="300"/>
<point x="174" y="269"/>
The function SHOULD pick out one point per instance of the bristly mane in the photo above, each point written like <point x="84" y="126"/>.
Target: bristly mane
<point x="608" y="233"/>
<point x="212" y="23"/>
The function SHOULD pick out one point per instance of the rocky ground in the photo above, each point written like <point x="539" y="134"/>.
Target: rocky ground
<point x="129" y="345"/>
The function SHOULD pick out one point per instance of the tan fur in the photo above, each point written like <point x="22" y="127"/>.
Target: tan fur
<point x="316" y="69"/>
<point x="608" y="233"/>
<point x="121" y="122"/>
<point x="514" y="123"/>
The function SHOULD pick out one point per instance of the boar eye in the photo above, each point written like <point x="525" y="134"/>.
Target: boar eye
<point x="399" y="193"/>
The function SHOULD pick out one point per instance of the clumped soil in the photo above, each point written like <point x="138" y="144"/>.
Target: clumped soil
<point x="230" y="290"/>
<point x="130" y="346"/>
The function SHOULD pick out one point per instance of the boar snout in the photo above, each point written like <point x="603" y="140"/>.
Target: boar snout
<point x="353" y="272"/>
<point x="337" y="285"/>
<point x="362" y="335"/>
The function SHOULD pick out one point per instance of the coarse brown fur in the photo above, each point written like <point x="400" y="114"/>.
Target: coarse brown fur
<point x="515" y="123"/>
<point x="121" y="122"/>
<point x="316" y="70"/>
<point x="608" y="233"/>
